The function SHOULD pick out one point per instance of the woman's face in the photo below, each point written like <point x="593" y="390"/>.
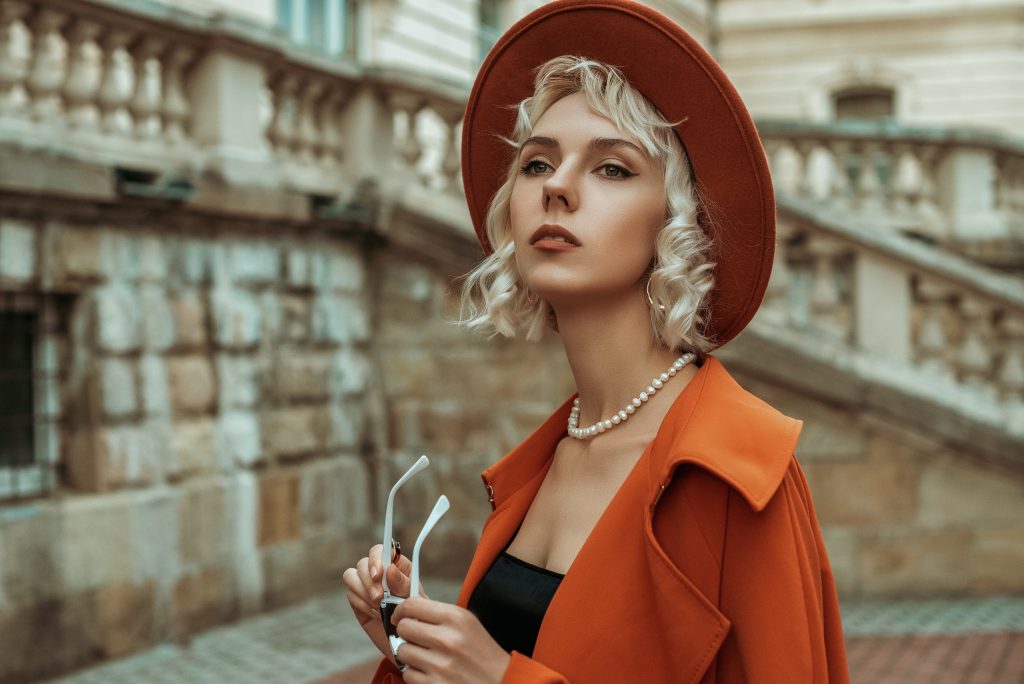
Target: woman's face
<point x="576" y="172"/>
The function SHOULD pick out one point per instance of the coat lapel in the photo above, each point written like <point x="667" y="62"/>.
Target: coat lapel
<point x="623" y="603"/>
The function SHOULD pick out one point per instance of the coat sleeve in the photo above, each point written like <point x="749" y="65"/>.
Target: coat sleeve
<point x="778" y="591"/>
<point x="521" y="670"/>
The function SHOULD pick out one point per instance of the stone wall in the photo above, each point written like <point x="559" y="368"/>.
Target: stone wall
<point x="213" y="434"/>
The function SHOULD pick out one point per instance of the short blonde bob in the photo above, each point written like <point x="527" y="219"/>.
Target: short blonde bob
<point x="681" y="274"/>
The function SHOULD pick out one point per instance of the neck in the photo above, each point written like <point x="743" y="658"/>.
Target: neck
<point x="610" y="348"/>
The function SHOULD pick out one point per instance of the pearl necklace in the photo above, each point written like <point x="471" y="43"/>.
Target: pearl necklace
<point x="630" y="408"/>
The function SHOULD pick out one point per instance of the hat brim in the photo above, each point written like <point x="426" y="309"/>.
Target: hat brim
<point x="672" y="70"/>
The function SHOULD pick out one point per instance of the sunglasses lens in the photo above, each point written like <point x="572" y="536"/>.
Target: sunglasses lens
<point x="387" y="609"/>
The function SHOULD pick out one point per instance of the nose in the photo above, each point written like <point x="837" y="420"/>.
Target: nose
<point x="559" y="188"/>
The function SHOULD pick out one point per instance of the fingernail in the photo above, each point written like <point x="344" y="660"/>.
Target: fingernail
<point x="373" y="570"/>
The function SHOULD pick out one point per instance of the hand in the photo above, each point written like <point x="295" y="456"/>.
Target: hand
<point x="447" y="643"/>
<point x="365" y="592"/>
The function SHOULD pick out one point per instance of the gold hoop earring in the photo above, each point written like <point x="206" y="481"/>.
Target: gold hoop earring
<point x="648" y="288"/>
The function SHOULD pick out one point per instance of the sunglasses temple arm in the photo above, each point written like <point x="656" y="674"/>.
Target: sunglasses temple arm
<point x="440" y="508"/>
<point x="385" y="556"/>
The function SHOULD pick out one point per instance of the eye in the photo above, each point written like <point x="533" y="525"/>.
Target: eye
<point x="621" y="172"/>
<point x="527" y="168"/>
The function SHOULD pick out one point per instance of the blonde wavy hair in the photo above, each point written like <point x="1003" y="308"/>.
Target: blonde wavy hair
<point x="681" y="275"/>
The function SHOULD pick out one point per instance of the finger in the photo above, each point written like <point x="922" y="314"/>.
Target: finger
<point x="375" y="556"/>
<point x="398" y="583"/>
<point x="421" y="633"/>
<point x="417" y="657"/>
<point x="427" y="610"/>
<point x="362" y="608"/>
<point x="355" y="585"/>
<point x="372" y="590"/>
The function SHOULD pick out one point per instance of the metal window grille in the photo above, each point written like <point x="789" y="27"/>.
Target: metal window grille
<point x="29" y="394"/>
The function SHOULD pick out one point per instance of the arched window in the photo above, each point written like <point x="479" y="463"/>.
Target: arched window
<point x="323" y="25"/>
<point x="872" y="103"/>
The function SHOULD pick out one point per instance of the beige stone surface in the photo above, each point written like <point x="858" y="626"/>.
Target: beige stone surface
<point x="204" y="523"/>
<point x="280" y="517"/>
<point x="955" y="490"/>
<point x="123" y="620"/>
<point x="869" y="492"/>
<point x="193" y="448"/>
<point x="192" y="384"/>
<point x="915" y="562"/>
<point x="201" y="599"/>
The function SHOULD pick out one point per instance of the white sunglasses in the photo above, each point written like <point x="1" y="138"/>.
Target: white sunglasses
<point x="389" y="602"/>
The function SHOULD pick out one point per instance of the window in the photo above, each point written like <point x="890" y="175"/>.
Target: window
<point x="871" y="103"/>
<point x="328" y="26"/>
<point x="490" y="26"/>
<point x="29" y="394"/>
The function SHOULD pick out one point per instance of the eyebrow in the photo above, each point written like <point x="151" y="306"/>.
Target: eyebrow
<point x="594" y="144"/>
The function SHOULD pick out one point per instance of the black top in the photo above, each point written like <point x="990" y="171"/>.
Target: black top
<point x="511" y="599"/>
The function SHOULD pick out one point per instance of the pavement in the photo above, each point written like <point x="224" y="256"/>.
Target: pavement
<point x="320" y="642"/>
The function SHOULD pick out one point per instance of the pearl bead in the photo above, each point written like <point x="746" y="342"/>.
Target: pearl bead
<point x="636" y="402"/>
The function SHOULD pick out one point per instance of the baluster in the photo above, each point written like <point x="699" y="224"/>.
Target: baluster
<point x="45" y="72"/>
<point x="175" y="110"/>
<point x="827" y="303"/>
<point x="281" y="130"/>
<point x="1009" y="375"/>
<point x="974" y="357"/>
<point x="450" y="165"/>
<point x="411" y="149"/>
<point x="932" y="350"/>
<point x="145" y="102"/>
<point x="776" y="307"/>
<point x="868" y="189"/>
<point x="81" y="86"/>
<point x="331" y="146"/>
<point x="840" y="190"/>
<point x="306" y="134"/>
<point x="12" y="71"/>
<point x="930" y="216"/>
<point x="113" y="97"/>
<point x="805" y="149"/>
<point x="899" y="198"/>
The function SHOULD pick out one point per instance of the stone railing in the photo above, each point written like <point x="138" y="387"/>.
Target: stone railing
<point x="945" y="185"/>
<point x="857" y="288"/>
<point x="144" y="87"/>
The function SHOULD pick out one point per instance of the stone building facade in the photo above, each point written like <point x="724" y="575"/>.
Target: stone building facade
<point x="230" y="237"/>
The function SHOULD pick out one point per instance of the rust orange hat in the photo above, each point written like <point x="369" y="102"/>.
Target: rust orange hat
<point x="681" y="79"/>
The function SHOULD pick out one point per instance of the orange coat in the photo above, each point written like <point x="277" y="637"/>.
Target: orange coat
<point x="708" y="565"/>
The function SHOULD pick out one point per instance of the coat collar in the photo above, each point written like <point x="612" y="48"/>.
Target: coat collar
<point x="714" y="423"/>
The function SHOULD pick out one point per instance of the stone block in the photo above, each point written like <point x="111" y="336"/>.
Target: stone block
<point x="302" y="375"/>
<point x="193" y="448"/>
<point x="152" y="258"/>
<point x="156" y="318"/>
<point x="201" y="600"/>
<point x="188" y="313"/>
<point x="117" y="387"/>
<point x="253" y="263"/>
<point x="864" y="493"/>
<point x="238" y="439"/>
<point x="123" y="255"/>
<point x="97" y="539"/>
<point x="339" y="319"/>
<point x="280" y="512"/>
<point x="287" y="574"/>
<point x="998" y="559"/>
<point x="192" y="384"/>
<point x="956" y="490"/>
<point x="158" y="533"/>
<point x="335" y="496"/>
<point x="910" y="562"/>
<point x="153" y="381"/>
<point x="117" y="318"/>
<point x="189" y="261"/>
<point x="349" y="373"/>
<point x="237" y="318"/>
<point x="78" y="254"/>
<point x="17" y="251"/>
<point x="30" y="555"/>
<point x="292" y="431"/>
<point x="829" y="435"/>
<point x="295" y="318"/>
<point x="342" y="424"/>
<point x="298" y="268"/>
<point x="205" y="539"/>
<point x="343" y="269"/>
<point x="240" y="377"/>
<point x="123" y="619"/>
<point x="105" y="458"/>
<point x="842" y="546"/>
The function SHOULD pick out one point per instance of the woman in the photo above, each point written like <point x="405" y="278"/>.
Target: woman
<point x="657" y="527"/>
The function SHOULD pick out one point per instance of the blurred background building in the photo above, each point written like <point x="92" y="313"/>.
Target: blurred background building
<point x="228" y="237"/>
